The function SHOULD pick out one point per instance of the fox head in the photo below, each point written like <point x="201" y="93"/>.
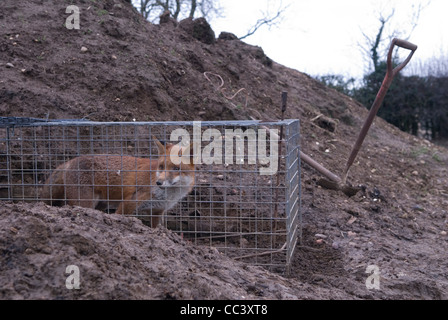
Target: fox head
<point x="175" y="165"/>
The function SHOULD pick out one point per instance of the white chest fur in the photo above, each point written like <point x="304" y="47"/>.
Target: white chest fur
<point x="166" y="196"/>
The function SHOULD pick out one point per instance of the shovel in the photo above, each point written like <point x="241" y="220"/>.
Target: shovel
<point x="390" y="74"/>
<point x="335" y="182"/>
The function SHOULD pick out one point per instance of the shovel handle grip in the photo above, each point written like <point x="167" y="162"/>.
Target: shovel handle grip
<point x="405" y="44"/>
<point x="402" y="44"/>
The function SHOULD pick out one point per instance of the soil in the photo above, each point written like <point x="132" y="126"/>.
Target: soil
<point x="175" y="71"/>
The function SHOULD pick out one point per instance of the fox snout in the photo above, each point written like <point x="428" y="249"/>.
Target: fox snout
<point x="168" y="181"/>
<point x="163" y="183"/>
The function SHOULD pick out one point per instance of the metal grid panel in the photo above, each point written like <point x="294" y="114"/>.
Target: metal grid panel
<point x="233" y="207"/>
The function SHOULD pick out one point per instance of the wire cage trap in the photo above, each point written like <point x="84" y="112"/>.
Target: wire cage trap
<point x="246" y="196"/>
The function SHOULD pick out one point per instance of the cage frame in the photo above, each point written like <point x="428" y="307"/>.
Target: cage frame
<point x="290" y="142"/>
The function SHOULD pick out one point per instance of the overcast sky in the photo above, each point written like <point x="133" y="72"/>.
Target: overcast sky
<point x="322" y="36"/>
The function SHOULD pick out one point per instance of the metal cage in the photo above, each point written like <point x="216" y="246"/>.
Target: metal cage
<point x="246" y="197"/>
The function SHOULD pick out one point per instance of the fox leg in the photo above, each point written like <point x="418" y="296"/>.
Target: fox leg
<point x="127" y="206"/>
<point x="146" y="210"/>
<point x="139" y="204"/>
<point x="156" y="217"/>
<point x="131" y="204"/>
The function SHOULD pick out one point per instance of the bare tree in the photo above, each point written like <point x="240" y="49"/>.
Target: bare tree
<point x="436" y="66"/>
<point x="178" y="9"/>
<point x="374" y="47"/>
<point x="373" y="43"/>
<point x="209" y="9"/>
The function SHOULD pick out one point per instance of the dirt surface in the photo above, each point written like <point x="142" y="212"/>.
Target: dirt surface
<point x="135" y="70"/>
<point x="120" y="258"/>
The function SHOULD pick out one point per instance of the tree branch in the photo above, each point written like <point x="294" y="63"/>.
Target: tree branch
<point x="193" y="8"/>
<point x="177" y="11"/>
<point x="266" y="20"/>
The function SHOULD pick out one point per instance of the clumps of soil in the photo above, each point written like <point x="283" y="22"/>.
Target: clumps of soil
<point x="118" y="258"/>
<point x="131" y="70"/>
<point x="199" y="29"/>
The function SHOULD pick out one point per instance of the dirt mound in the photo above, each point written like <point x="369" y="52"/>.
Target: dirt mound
<point x="119" y="67"/>
<point x="119" y="258"/>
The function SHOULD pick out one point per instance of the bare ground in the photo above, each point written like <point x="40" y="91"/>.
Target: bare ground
<point x="136" y="70"/>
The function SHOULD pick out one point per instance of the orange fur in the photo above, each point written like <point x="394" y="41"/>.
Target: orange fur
<point x="132" y="185"/>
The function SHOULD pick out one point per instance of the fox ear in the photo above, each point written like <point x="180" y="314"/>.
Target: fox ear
<point x="188" y="151"/>
<point x="160" y="146"/>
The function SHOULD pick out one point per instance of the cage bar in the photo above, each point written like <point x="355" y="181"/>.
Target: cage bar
<point x="236" y="204"/>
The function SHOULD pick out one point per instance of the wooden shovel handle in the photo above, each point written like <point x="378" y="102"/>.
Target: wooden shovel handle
<point x="402" y="44"/>
<point x="405" y="44"/>
<point x="390" y="74"/>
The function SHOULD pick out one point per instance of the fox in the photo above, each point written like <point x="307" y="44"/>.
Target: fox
<point x="139" y="186"/>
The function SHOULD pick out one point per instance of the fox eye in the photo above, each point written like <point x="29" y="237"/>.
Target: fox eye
<point x="176" y="168"/>
<point x="160" y="166"/>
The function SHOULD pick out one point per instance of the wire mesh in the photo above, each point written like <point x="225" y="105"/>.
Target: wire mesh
<point x="246" y="196"/>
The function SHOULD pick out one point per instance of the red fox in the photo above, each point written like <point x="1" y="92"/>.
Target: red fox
<point x="137" y="185"/>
